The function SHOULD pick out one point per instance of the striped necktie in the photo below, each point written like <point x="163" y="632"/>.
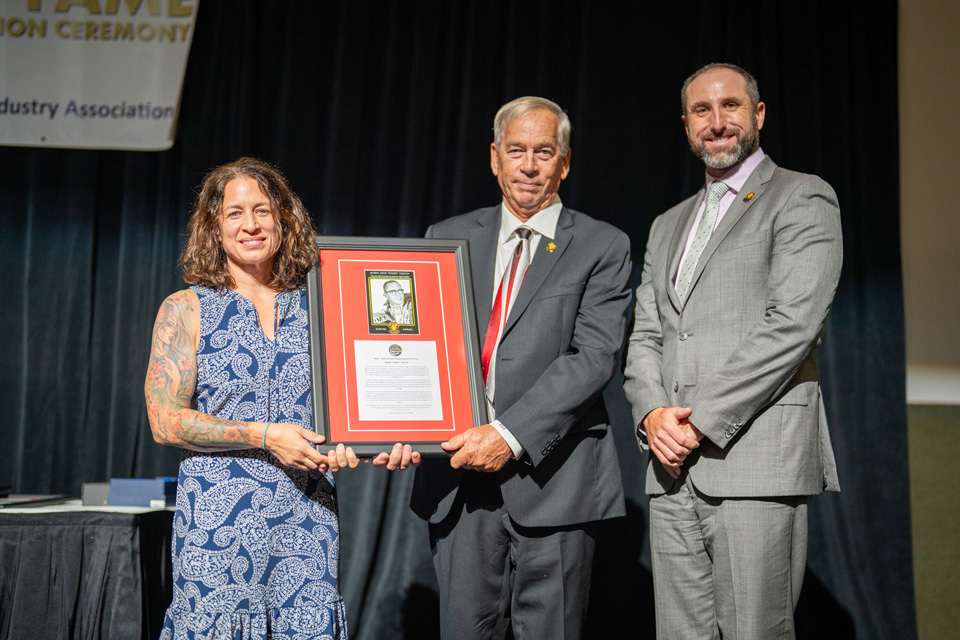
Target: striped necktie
<point x="506" y="295"/>
<point x="700" y="240"/>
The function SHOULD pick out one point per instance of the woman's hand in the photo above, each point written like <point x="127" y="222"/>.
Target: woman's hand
<point x="400" y="457"/>
<point x="292" y="445"/>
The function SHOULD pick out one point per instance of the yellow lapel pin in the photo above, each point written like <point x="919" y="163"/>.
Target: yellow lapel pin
<point x="551" y="247"/>
<point x="749" y="197"/>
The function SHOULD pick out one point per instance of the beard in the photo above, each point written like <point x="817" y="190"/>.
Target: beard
<point x="746" y="145"/>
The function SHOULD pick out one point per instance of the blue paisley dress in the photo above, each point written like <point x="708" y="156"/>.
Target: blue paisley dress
<point x="255" y="543"/>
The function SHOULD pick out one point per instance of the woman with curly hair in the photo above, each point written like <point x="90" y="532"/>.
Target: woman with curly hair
<point x="256" y="534"/>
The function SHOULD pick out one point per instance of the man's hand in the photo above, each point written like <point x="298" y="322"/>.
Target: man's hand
<point x="401" y="457"/>
<point x="341" y="458"/>
<point x="481" y="448"/>
<point x="671" y="436"/>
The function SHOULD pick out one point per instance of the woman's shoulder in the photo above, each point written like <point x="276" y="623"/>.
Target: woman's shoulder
<point x="180" y="311"/>
<point x="185" y="298"/>
<point x="184" y="304"/>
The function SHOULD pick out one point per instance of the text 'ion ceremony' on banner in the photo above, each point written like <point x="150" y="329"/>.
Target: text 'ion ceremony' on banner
<point x="93" y="74"/>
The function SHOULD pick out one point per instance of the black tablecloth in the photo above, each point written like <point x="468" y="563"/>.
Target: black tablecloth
<point x="86" y="574"/>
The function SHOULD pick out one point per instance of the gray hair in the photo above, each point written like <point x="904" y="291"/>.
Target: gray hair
<point x="518" y="108"/>
<point x="752" y="90"/>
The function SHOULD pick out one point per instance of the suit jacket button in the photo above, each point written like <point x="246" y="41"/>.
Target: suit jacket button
<point x="676" y="386"/>
<point x="683" y="335"/>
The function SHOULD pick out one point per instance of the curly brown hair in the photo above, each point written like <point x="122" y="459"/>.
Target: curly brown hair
<point x="204" y="261"/>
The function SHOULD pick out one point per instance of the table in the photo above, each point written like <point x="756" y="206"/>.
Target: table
<point x="70" y="571"/>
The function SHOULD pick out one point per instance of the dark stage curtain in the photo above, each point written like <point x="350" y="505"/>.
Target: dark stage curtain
<point x="380" y="114"/>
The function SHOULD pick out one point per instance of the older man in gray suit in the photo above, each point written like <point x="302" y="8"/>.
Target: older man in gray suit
<point x="722" y="374"/>
<point x="514" y="515"/>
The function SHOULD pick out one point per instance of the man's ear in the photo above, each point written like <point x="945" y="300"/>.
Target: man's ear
<point x="566" y="164"/>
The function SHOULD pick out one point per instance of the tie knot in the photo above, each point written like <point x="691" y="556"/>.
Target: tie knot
<point x="717" y="189"/>
<point x="523" y="233"/>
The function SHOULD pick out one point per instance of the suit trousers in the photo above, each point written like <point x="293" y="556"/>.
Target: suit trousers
<point x="726" y="567"/>
<point x="494" y="573"/>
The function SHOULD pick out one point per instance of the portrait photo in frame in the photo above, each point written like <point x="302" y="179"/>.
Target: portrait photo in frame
<point x="394" y="348"/>
<point x="396" y="313"/>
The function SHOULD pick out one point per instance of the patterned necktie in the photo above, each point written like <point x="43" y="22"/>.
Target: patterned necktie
<point x="506" y="294"/>
<point x="700" y="240"/>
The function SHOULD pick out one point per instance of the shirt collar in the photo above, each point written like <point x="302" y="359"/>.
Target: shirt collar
<point x="736" y="176"/>
<point x="544" y="222"/>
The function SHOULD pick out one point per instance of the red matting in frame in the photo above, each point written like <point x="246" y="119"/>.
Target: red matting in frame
<point x="346" y="303"/>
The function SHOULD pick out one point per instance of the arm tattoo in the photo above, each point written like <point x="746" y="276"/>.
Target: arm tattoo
<point x="172" y="380"/>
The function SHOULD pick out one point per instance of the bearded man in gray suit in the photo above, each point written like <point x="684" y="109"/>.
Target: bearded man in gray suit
<point x="722" y="374"/>
<point x="515" y="513"/>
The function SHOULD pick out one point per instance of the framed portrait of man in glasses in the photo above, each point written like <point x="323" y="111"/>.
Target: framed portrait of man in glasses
<point x="391" y="302"/>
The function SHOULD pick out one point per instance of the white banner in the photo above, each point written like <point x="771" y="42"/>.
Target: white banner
<point x="93" y="74"/>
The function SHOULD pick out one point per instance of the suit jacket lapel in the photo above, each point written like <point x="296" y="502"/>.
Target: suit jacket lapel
<point x="677" y="243"/>
<point x="755" y="184"/>
<point x="540" y="267"/>
<point x="483" y="255"/>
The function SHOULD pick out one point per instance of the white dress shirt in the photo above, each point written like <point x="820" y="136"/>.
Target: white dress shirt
<point x="543" y="224"/>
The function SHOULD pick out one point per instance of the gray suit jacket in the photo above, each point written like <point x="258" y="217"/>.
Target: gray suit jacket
<point x="561" y="344"/>
<point x="742" y="351"/>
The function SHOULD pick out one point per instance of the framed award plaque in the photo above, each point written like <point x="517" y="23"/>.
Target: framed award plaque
<point x="394" y="350"/>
